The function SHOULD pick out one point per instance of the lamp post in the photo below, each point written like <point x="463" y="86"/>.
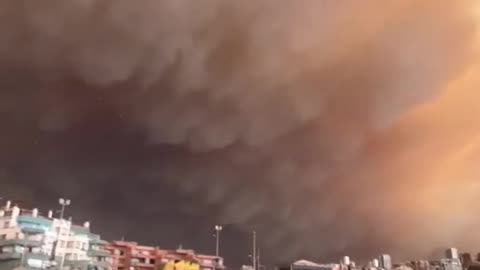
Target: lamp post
<point x="254" y="255"/>
<point x="63" y="203"/>
<point x="218" y="229"/>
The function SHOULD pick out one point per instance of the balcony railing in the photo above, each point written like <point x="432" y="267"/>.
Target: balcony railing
<point x="18" y="256"/>
<point x="10" y="256"/>
<point x="98" y="253"/>
<point x="20" y="242"/>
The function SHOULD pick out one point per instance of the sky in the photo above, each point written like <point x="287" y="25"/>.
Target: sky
<point x="329" y="127"/>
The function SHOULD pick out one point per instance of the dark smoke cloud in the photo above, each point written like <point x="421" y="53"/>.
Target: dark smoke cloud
<point x="289" y="117"/>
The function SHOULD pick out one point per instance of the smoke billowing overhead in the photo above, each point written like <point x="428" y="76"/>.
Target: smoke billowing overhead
<point x="312" y="121"/>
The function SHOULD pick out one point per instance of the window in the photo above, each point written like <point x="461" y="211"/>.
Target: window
<point x="3" y="236"/>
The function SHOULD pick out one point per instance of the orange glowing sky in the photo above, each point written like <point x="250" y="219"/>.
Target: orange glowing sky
<point x="447" y="157"/>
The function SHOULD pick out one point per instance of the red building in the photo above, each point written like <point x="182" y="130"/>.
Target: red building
<point x="132" y="256"/>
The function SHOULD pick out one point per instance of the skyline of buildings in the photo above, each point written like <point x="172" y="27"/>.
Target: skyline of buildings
<point x="452" y="260"/>
<point x="42" y="242"/>
<point x="34" y="241"/>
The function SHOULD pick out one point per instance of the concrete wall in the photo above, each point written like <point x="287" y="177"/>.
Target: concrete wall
<point x="7" y="229"/>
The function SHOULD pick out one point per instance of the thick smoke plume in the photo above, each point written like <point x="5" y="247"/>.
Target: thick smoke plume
<point x="316" y="121"/>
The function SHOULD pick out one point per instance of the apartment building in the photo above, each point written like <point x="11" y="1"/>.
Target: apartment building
<point x="132" y="256"/>
<point x="21" y="240"/>
<point x="31" y="240"/>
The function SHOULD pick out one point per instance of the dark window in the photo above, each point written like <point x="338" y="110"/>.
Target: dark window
<point x="3" y="236"/>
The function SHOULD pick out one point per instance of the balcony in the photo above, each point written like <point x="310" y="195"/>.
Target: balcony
<point x="143" y="265"/>
<point x="77" y="263"/>
<point x="100" y="264"/>
<point x="98" y="242"/>
<point x="37" y="256"/>
<point x="38" y="221"/>
<point x="98" y="253"/>
<point x="10" y="256"/>
<point x="85" y="264"/>
<point x="33" y="230"/>
<point x="20" y="242"/>
<point x="18" y="256"/>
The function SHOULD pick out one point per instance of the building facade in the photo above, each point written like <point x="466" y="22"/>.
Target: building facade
<point x="21" y="239"/>
<point x="386" y="262"/>
<point x="132" y="256"/>
<point x="452" y="253"/>
<point x="308" y="265"/>
<point x="450" y="264"/>
<point x="30" y="240"/>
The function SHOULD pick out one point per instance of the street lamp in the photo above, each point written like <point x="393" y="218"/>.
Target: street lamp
<point x="218" y="229"/>
<point x="256" y="262"/>
<point x="64" y="203"/>
<point x="254" y="255"/>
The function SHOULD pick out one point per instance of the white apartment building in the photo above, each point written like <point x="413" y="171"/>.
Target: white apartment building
<point x="41" y="242"/>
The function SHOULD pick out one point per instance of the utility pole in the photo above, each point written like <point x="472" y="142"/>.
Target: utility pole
<point x="254" y="255"/>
